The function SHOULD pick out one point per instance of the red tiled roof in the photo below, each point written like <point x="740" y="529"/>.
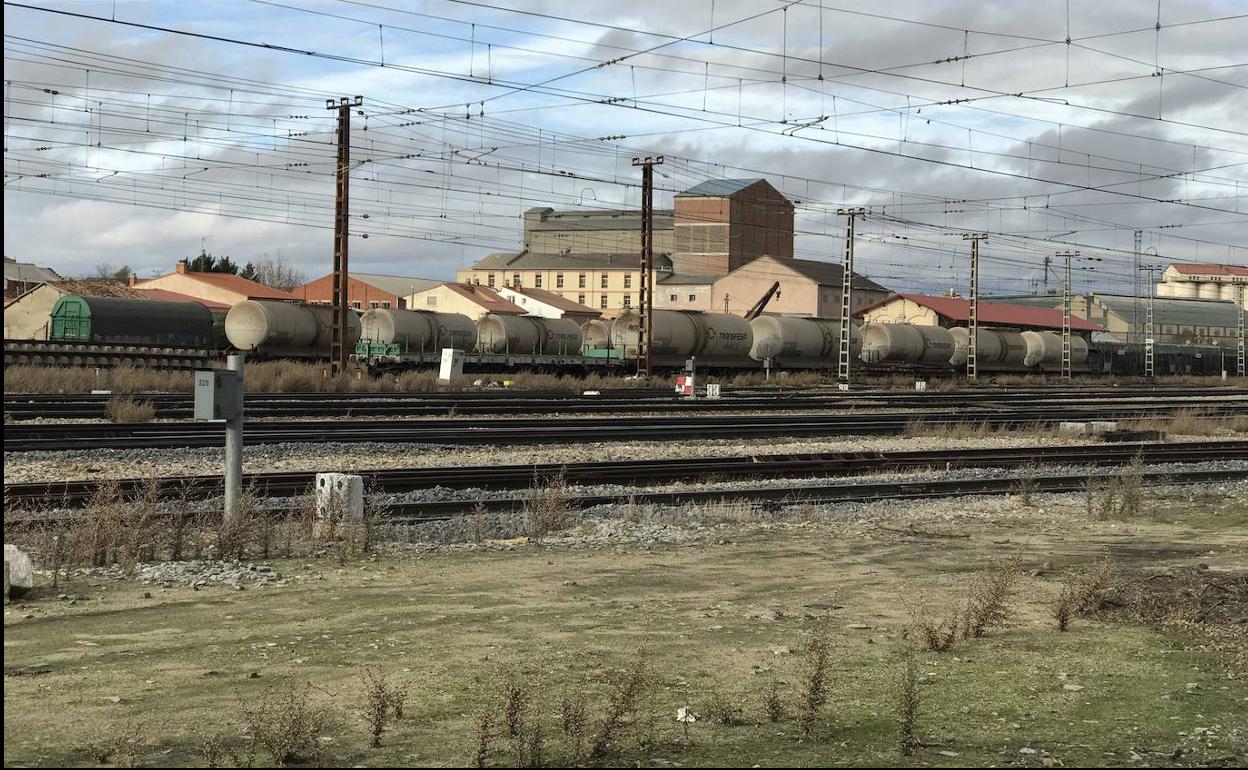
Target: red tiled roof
<point x="173" y="296"/>
<point x="1191" y="269"/>
<point x="485" y="297"/>
<point x="249" y="289"/>
<point x="993" y="313"/>
<point x="555" y="300"/>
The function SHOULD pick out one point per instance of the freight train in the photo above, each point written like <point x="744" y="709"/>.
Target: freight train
<point x="385" y="339"/>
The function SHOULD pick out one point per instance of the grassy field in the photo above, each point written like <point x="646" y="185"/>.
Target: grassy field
<point x="148" y="675"/>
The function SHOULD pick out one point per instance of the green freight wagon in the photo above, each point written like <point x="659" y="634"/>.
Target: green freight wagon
<point x="116" y="320"/>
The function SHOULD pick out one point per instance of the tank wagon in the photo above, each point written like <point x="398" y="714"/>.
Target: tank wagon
<point x="906" y="344"/>
<point x="715" y="339"/>
<point x="394" y="332"/>
<point x="795" y="342"/>
<point x="281" y="329"/>
<point x="528" y="335"/>
<point x="117" y="320"/>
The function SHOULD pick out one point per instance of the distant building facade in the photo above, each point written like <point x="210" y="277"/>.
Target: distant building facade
<point x="21" y="277"/>
<point x="224" y="288"/>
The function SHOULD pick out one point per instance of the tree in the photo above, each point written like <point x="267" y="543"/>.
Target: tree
<point x="207" y="263"/>
<point x="279" y="274"/>
<point x="248" y="272"/>
<point x="108" y="271"/>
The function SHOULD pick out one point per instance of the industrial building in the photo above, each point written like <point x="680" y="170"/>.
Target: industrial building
<point x="724" y="244"/>
<point x="924" y="310"/>
<point x="1176" y="321"/>
<point x="1194" y="281"/>
<point x="365" y="291"/>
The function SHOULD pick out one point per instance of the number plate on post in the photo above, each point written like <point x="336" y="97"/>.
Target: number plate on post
<point x="216" y="394"/>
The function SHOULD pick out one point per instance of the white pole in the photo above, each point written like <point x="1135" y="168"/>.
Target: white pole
<point x="234" y="444"/>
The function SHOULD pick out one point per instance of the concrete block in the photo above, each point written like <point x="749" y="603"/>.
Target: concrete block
<point x="19" y="573"/>
<point x="452" y="364"/>
<point x="339" y="500"/>
<point x="1077" y="428"/>
<point x="1103" y="426"/>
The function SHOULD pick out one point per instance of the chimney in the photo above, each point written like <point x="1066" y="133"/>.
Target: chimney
<point x="181" y="266"/>
<point x="134" y="281"/>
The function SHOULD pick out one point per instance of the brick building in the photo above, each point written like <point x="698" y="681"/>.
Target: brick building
<point x="365" y="291"/>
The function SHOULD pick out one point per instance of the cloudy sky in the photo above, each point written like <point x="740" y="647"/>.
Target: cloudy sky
<point x="137" y="132"/>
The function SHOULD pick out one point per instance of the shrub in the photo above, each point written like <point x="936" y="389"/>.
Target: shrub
<point x="286" y="724"/>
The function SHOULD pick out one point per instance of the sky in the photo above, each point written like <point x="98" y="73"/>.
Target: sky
<point x="141" y="132"/>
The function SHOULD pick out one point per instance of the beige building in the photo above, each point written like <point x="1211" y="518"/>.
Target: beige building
<point x="545" y="304"/>
<point x="464" y="298"/>
<point x="214" y="287"/>
<point x="604" y="282"/>
<point x="807" y="287"/>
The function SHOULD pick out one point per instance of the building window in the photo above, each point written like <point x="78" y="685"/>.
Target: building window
<point x="580" y="281"/>
<point x="386" y="304"/>
<point x="355" y="305"/>
<point x="694" y="298"/>
<point x="489" y="280"/>
<point x="515" y="280"/>
<point x="674" y="297"/>
<point x="537" y="280"/>
<point x="559" y="280"/>
<point x="580" y="299"/>
<point x="628" y="301"/>
<point x="432" y="301"/>
<point x="602" y="301"/>
<point x="374" y="304"/>
<point x="628" y="280"/>
<point x="603" y="282"/>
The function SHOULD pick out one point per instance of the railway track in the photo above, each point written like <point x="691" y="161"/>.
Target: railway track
<point x="514" y="431"/>
<point x="266" y="405"/>
<point x="855" y="491"/>
<point x="754" y="467"/>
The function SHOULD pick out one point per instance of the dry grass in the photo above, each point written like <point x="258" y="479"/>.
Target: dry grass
<point x="972" y="429"/>
<point x="1193" y="422"/>
<point x="129" y="409"/>
<point x="814" y="693"/>
<point x="549" y="509"/>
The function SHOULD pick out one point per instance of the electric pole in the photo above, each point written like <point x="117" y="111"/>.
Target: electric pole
<point x="1148" y="328"/>
<point x="1066" y="314"/>
<point x="847" y="293"/>
<point x="1239" y="312"/>
<point x="1133" y="335"/>
<point x="645" y="328"/>
<point x="338" y="340"/>
<point x="972" y="335"/>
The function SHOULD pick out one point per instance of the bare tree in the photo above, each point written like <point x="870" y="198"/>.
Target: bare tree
<point x="111" y="272"/>
<point x="279" y="274"/>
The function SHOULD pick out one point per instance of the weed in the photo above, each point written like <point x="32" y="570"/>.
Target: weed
<point x="574" y="719"/>
<point x="1027" y="484"/>
<point x="1063" y="607"/>
<point x="815" y="687"/>
<point x="127" y="409"/>
<point x="549" y="508"/>
<point x="988" y="596"/>
<point x="722" y="710"/>
<point x="628" y="688"/>
<point x="119" y="745"/>
<point x="514" y="710"/>
<point x="906" y="693"/>
<point x="773" y="701"/>
<point x="286" y="724"/>
<point x="484" y="725"/>
<point x="377" y="703"/>
<point x="937" y="635"/>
